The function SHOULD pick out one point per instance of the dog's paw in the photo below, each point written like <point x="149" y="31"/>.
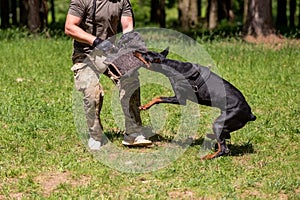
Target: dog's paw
<point x="216" y="155"/>
<point x="143" y="107"/>
<point x="210" y="157"/>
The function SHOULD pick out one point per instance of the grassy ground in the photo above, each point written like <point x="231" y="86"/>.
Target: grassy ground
<point x="43" y="157"/>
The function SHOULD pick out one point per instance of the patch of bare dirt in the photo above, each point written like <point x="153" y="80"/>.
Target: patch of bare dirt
<point x="273" y="41"/>
<point x="270" y="39"/>
<point x="51" y="180"/>
<point x="178" y="194"/>
<point x="254" y="193"/>
<point x="14" y="195"/>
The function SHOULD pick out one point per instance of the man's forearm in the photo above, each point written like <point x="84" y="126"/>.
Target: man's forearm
<point x="81" y="36"/>
<point x="127" y="24"/>
<point x="73" y="30"/>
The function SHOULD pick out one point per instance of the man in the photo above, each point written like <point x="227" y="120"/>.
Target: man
<point x="90" y="23"/>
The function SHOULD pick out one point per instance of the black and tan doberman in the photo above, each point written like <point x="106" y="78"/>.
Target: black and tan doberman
<point x="199" y="84"/>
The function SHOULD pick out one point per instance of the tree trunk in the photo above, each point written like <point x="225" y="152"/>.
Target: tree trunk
<point x="245" y="11"/>
<point x="193" y="14"/>
<point x="212" y="14"/>
<point x="225" y="10"/>
<point x="183" y="6"/>
<point x="153" y="11"/>
<point x="162" y="13"/>
<point x="158" y="12"/>
<point x="259" y="19"/>
<point x="281" y="21"/>
<point x="299" y="17"/>
<point x="34" y="21"/>
<point x="4" y="13"/>
<point x="199" y="7"/>
<point x="188" y="14"/>
<point x="24" y="12"/>
<point x="52" y="11"/>
<point x="14" y="12"/>
<point x="33" y="14"/>
<point x="293" y="5"/>
<point x="43" y="14"/>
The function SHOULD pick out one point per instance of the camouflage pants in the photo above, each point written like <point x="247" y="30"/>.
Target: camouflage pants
<point x="86" y="79"/>
<point x="129" y="88"/>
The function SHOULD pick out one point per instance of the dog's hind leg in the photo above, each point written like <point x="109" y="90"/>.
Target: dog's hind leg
<point x="222" y="150"/>
<point x="226" y="123"/>
<point x="220" y="134"/>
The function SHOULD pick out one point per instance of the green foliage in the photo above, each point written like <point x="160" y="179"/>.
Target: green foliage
<point x="142" y="18"/>
<point x="42" y="156"/>
<point x="141" y="11"/>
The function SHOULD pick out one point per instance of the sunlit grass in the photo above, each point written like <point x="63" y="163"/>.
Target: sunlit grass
<point x="38" y="135"/>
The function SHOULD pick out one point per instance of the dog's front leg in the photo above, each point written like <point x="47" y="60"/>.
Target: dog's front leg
<point x="150" y="103"/>
<point x="172" y="100"/>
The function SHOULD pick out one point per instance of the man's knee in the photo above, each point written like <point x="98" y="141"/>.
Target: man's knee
<point x="94" y="95"/>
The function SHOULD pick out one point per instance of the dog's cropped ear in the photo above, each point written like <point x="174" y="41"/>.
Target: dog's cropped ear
<point x="165" y="52"/>
<point x="139" y="55"/>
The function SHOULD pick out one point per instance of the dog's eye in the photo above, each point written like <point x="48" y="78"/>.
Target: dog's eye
<point x="157" y="60"/>
<point x="148" y="58"/>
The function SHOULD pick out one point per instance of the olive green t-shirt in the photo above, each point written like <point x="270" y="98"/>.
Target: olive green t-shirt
<point x="107" y="18"/>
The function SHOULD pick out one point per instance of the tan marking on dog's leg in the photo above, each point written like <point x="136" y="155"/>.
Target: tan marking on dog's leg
<point x="211" y="156"/>
<point x="150" y="103"/>
<point x="139" y="56"/>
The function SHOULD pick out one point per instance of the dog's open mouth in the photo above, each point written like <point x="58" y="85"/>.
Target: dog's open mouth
<point x="140" y="56"/>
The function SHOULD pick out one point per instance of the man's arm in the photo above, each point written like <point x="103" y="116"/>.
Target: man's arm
<point x="73" y="30"/>
<point x="127" y="24"/>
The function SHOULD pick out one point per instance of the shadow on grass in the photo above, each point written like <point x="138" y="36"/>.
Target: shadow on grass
<point x="240" y="150"/>
<point x="235" y="149"/>
<point x="113" y="135"/>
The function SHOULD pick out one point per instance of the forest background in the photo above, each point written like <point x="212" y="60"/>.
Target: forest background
<point x="244" y="18"/>
<point x="42" y="156"/>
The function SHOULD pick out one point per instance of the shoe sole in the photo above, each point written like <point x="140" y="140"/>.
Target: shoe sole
<point x="136" y="144"/>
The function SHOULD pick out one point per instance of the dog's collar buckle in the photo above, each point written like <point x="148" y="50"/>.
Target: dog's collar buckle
<point x="195" y="88"/>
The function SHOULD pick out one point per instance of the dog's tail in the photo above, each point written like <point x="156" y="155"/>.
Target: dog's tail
<point x="252" y="117"/>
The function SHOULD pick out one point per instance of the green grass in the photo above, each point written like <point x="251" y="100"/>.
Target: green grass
<point x="43" y="157"/>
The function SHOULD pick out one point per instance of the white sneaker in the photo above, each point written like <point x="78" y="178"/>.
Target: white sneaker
<point x="138" y="141"/>
<point x="94" y="144"/>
